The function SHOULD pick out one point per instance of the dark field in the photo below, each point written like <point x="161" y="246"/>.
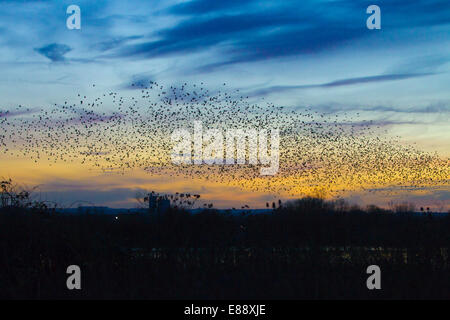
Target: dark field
<point x="310" y="250"/>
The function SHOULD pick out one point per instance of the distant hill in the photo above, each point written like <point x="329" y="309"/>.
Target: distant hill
<point x="112" y="211"/>
<point x="107" y="210"/>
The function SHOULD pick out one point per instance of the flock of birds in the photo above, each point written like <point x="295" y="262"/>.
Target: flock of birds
<point x="118" y="132"/>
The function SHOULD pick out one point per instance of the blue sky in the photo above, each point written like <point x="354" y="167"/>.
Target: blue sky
<point x="295" y="53"/>
<point x="310" y="52"/>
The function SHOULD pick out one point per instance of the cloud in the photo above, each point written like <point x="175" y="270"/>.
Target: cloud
<point x="289" y="41"/>
<point x="429" y="63"/>
<point x="379" y="78"/>
<point x="199" y="34"/>
<point x="115" y="42"/>
<point x="277" y="29"/>
<point x="437" y="107"/>
<point x="341" y="82"/>
<point x="250" y="31"/>
<point x="9" y="114"/>
<point x="205" y="6"/>
<point x="55" y="51"/>
<point x="138" y="81"/>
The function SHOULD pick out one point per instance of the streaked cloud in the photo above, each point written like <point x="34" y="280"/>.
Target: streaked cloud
<point x="55" y="51"/>
<point x="342" y="82"/>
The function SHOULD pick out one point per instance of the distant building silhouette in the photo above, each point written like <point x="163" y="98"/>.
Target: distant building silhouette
<point x="158" y="204"/>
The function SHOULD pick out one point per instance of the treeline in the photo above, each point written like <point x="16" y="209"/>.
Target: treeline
<point x="305" y="222"/>
<point x="309" y="248"/>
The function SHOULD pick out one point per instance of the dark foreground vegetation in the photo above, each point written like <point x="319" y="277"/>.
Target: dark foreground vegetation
<point x="307" y="250"/>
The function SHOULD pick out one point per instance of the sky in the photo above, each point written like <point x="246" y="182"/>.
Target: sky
<point x="296" y="54"/>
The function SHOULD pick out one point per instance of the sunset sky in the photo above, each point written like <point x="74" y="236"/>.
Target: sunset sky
<point x="298" y="54"/>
